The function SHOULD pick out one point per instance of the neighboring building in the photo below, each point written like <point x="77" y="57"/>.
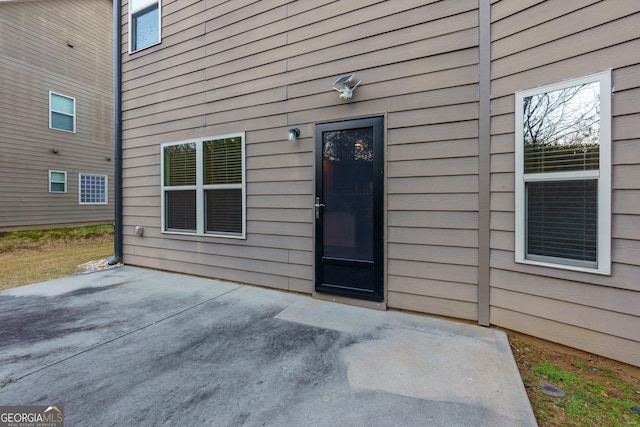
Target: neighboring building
<point x="56" y="113"/>
<point x="485" y="169"/>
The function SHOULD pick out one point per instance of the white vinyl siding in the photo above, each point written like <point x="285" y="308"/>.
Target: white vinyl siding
<point x="145" y="21"/>
<point x="62" y="112"/>
<point x="203" y="186"/>
<point x="563" y="174"/>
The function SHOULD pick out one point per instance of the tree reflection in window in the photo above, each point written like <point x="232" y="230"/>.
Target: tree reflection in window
<point x="561" y="129"/>
<point x="348" y="145"/>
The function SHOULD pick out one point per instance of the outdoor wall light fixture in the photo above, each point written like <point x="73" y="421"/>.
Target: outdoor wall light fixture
<point x="344" y="91"/>
<point x="293" y="134"/>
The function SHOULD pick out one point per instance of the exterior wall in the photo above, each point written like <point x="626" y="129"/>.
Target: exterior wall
<point x="536" y="43"/>
<point x="263" y="67"/>
<point x="35" y="59"/>
<point x="267" y="66"/>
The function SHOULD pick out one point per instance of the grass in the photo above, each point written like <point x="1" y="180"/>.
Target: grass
<point x="38" y="255"/>
<point x="588" y="402"/>
<point x="598" y="391"/>
<point x="30" y="239"/>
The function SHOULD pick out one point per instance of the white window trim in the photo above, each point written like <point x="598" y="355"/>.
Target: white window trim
<point x="106" y="189"/>
<point x="200" y="188"/>
<point x="58" y="182"/>
<point x="132" y="11"/>
<point x="603" y="175"/>
<point x="51" y="110"/>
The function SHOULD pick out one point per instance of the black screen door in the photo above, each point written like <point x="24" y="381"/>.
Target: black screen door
<point x="349" y="208"/>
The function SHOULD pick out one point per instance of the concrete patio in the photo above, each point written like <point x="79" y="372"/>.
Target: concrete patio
<point x="131" y="346"/>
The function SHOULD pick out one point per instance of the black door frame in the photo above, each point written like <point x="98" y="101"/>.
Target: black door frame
<point x="377" y="124"/>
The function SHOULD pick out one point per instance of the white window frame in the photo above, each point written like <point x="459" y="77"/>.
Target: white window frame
<point x="58" y="182"/>
<point x="133" y="11"/>
<point x="200" y="187"/>
<point x="602" y="175"/>
<point x="106" y="188"/>
<point x="51" y="111"/>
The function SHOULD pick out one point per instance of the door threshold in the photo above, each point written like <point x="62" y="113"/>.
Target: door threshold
<point x="382" y="306"/>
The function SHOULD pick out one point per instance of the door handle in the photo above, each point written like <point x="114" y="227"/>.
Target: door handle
<point x="318" y="206"/>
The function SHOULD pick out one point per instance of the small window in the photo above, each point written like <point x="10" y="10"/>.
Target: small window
<point x="92" y="189"/>
<point x="144" y="22"/>
<point x="203" y="186"/>
<point x="62" y="112"/>
<point x="57" y="182"/>
<point x="563" y="174"/>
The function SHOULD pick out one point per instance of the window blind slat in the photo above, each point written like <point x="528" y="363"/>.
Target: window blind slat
<point x="181" y="210"/>
<point x="223" y="161"/>
<point x="180" y="165"/>
<point x="559" y="158"/>
<point x="224" y="210"/>
<point x="562" y="219"/>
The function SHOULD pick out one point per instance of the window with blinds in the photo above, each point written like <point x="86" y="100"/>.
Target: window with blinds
<point x="223" y="185"/>
<point x="562" y="219"/>
<point x="563" y="174"/>
<point x="179" y="189"/>
<point x="203" y="185"/>
<point x="180" y="165"/>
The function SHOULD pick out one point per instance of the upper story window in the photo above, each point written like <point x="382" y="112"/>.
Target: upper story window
<point x="203" y="186"/>
<point x="144" y="24"/>
<point x="62" y="112"/>
<point x="563" y="174"/>
<point x="57" y="182"/>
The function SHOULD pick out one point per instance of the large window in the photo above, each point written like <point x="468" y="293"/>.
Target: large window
<point x="203" y="186"/>
<point x="57" y="182"/>
<point x="62" y="112"/>
<point x="563" y="174"/>
<point x="144" y="24"/>
<point x="92" y="189"/>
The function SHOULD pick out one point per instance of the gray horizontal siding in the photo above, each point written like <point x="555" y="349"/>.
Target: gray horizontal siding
<point x="542" y="45"/>
<point x="263" y="67"/>
<point x="35" y="59"/>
